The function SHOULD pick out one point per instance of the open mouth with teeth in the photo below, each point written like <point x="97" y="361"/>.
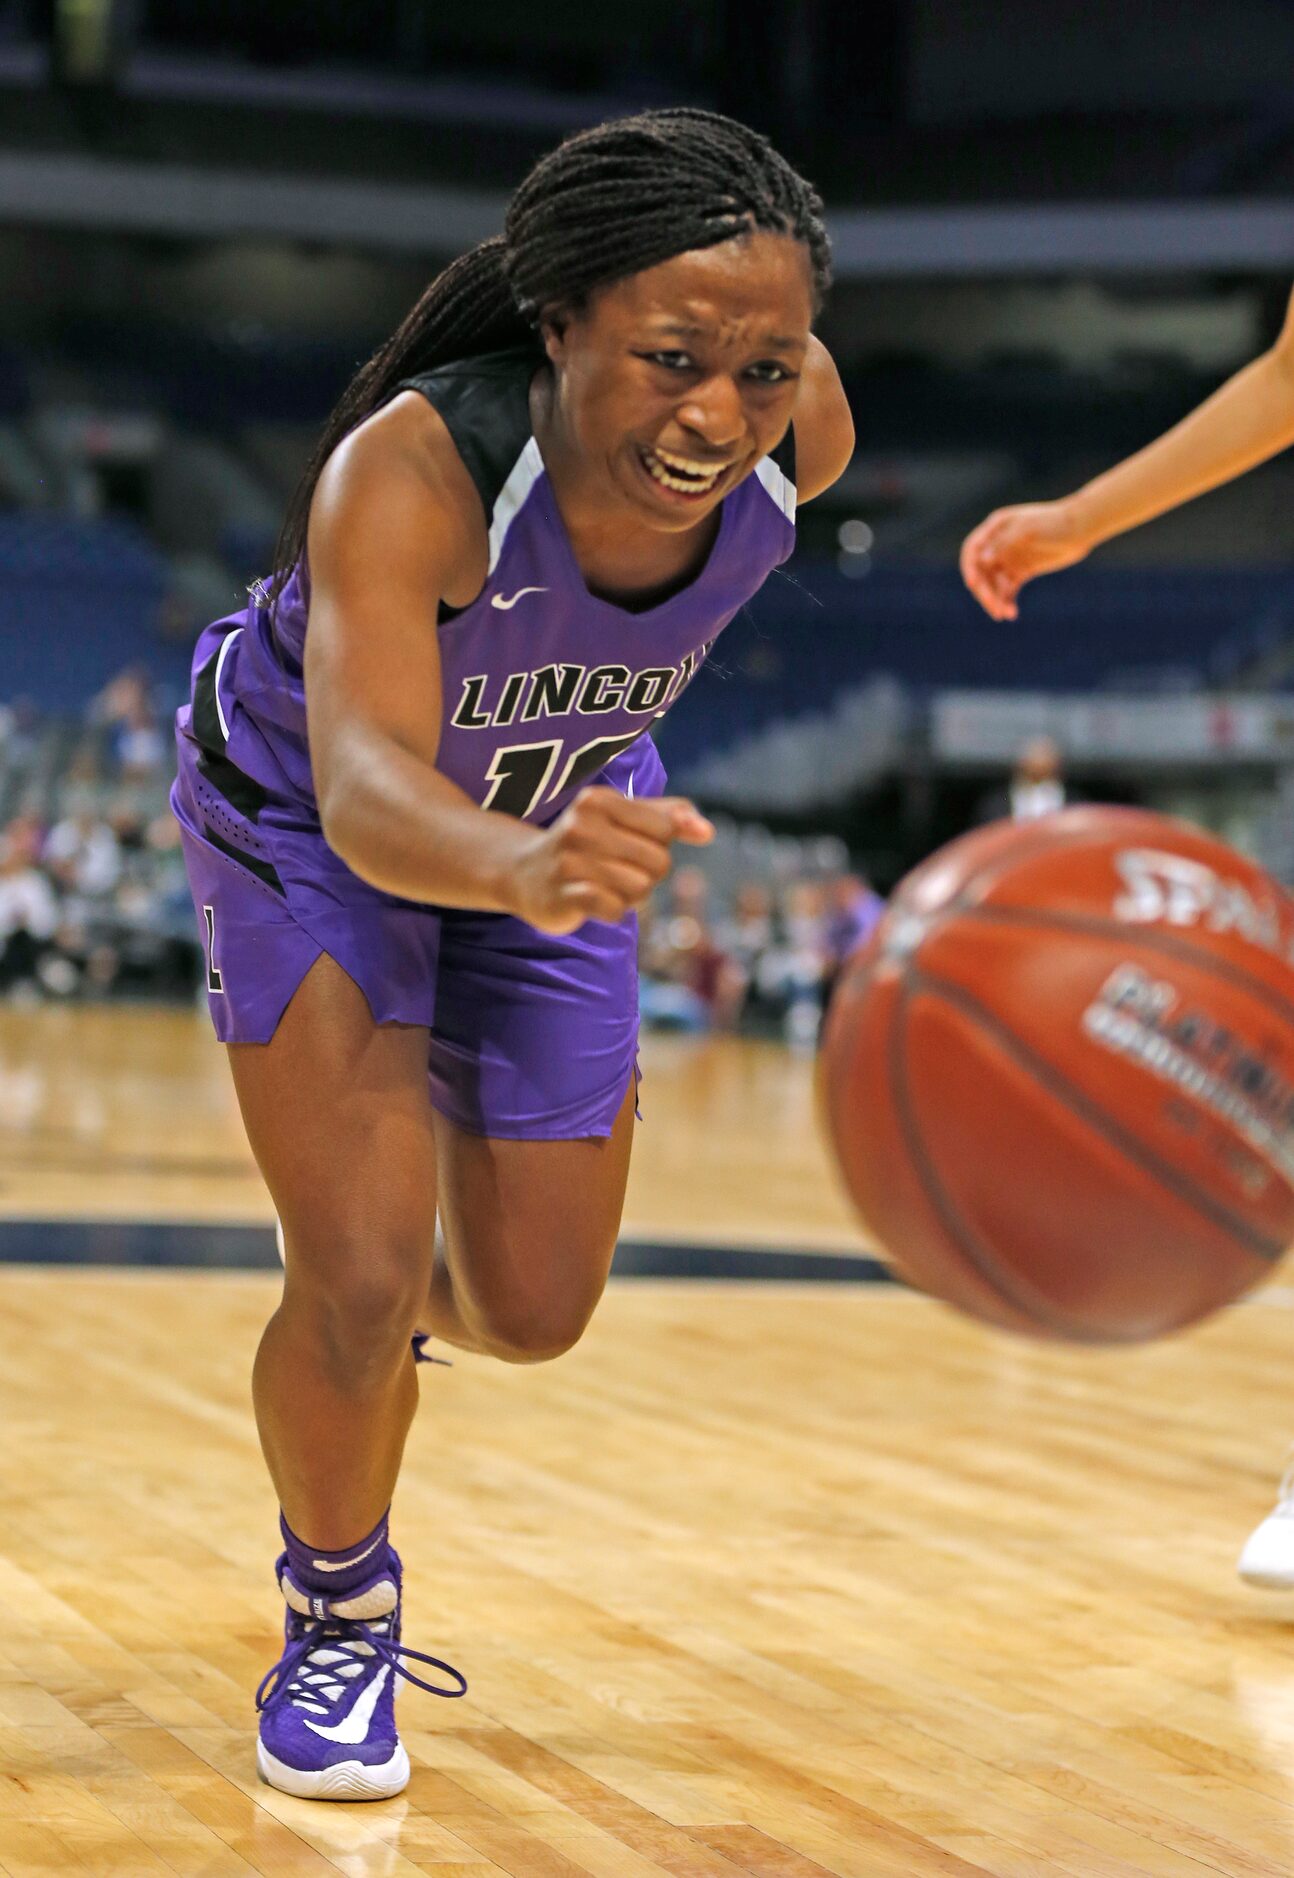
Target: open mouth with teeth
<point x="683" y="475"/>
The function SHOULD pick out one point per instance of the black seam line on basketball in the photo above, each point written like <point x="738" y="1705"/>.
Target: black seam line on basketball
<point x="963" y="1237"/>
<point x="205" y="717"/>
<point x="1147" y="937"/>
<point x="240" y="791"/>
<point x="1023" y="849"/>
<point x="252" y="862"/>
<point x="1045" y="841"/>
<point x="987" y="877"/>
<point x="984" y="879"/>
<point x="1083" y="1106"/>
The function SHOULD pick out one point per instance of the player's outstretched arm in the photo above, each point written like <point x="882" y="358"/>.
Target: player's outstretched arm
<point x="396" y="525"/>
<point x="1247" y="420"/>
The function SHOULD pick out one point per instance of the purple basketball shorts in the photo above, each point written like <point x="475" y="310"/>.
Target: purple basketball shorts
<point x="531" y="1037"/>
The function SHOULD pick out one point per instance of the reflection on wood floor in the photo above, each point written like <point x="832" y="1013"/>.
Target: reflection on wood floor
<point x="769" y="1580"/>
<point x="128" y="1113"/>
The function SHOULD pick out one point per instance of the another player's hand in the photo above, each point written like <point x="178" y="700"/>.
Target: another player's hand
<point x="1012" y="546"/>
<point x="601" y="858"/>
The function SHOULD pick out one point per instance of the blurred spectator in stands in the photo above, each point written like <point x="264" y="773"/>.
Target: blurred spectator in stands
<point x="179" y="618"/>
<point x="129" y="826"/>
<point x="19" y="734"/>
<point x="681" y="966"/>
<point x="125" y="708"/>
<point x="141" y="744"/>
<point x="760" y="967"/>
<point x="793" y="973"/>
<point x="748" y="931"/>
<point x="1037" y="785"/>
<point x="28" y="913"/>
<point x="83" y="855"/>
<point x="25" y="835"/>
<point x="80" y="958"/>
<point x="111" y="705"/>
<point x="854" y="909"/>
<point x="83" y="770"/>
<point x="97" y="905"/>
<point x="153" y="933"/>
<point x="163" y="859"/>
<point x="743" y="938"/>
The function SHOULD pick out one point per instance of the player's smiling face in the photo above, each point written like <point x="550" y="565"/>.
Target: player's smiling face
<point x="673" y="383"/>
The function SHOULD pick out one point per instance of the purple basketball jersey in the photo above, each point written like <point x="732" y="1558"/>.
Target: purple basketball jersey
<point x="532" y="1036"/>
<point x="546" y="687"/>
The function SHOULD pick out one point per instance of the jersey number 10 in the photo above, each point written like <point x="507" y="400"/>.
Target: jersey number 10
<point x="520" y="773"/>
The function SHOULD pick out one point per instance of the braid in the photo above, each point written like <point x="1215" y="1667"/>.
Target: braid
<point x="607" y="203"/>
<point x="626" y="195"/>
<point x="469" y="308"/>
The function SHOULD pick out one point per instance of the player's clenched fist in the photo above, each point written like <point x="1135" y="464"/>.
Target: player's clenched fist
<point x="1013" y="545"/>
<point x="601" y="858"/>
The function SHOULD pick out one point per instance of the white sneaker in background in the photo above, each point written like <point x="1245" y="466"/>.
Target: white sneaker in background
<point x="1267" y="1561"/>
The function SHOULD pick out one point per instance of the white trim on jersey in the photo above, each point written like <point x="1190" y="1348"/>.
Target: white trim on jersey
<point x="779" y="487"/>
<point x="522" y="477"/>
<point x="221" y="656"/>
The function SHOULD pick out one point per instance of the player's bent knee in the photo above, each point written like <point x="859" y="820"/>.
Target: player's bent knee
<point x="526" y="1330"/>
<point x="365" y="1305"/>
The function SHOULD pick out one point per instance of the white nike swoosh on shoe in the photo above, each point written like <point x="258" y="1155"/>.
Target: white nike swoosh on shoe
<point x="354" y="1729"/>
<point x="344" y="1564"/>
<point x="506" y="606"/>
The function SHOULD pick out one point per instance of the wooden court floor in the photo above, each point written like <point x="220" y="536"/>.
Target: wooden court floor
<point x="780" y="1580"/>
<point x="128" y="1113"/>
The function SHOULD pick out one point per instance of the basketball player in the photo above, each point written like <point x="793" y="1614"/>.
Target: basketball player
<point x="1249" y="419"/>
<point x="420" y="805"/>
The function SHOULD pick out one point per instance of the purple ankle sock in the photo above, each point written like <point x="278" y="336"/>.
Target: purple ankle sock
<point x="336" y="1574"/>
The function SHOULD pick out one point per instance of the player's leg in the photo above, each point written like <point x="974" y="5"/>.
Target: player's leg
<point x="324" y="990"/>
<point x="529" y="1232"/>
<point x="337" y="1116"/>
<point x="337" y="1113"/>
<point x="532" y="1067"/>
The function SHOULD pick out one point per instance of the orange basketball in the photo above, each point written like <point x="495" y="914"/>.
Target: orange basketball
<point x="1059" y="1079"/>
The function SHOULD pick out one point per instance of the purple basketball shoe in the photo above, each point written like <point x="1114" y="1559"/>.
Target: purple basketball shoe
<point x="328" y="1706"/>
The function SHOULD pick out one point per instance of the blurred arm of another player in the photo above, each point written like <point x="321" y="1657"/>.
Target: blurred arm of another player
<point x="1247" y="420"/>
<point x="396" y="524"/>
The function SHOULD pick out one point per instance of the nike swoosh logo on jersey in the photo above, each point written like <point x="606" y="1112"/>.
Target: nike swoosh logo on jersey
<point x="506" y="606"/>
<point x="354" y="1729"/>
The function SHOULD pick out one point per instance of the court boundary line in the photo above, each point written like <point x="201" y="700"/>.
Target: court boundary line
<point x="189" y="1246"/>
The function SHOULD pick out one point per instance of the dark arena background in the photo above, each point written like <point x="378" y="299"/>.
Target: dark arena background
<point x="784" y="1571"/>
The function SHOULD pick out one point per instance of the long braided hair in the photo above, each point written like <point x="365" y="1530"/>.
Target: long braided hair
<point x="607" y="203"/>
